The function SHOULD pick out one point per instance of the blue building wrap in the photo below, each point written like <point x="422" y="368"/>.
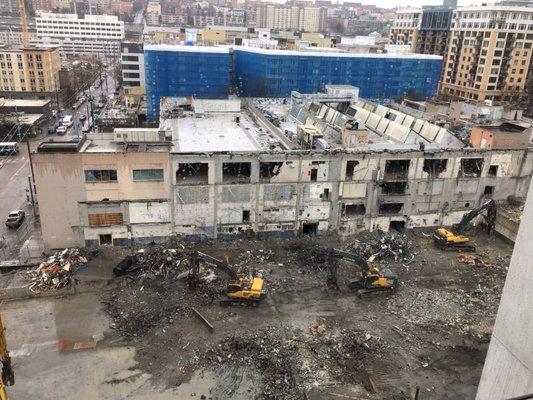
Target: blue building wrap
<point x="183" y="71"/>
<point x="271" y="73"/>
<point x="209" y="72"/>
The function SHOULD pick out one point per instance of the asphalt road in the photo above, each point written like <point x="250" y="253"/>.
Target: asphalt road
<point x="14" y="173"/>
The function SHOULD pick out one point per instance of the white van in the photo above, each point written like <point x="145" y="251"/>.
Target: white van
<point x="67" y="121"/>
<point x="8" y="148"/>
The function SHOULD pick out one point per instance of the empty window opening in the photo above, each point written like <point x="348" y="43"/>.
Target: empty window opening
<point x="105" y="239"/>
<point x="489" y="190"/>
<point x="101" y="175"/>
<point x="396" y="169"/>
<point x="354" y="209"/>
<point x="467" y="205"/>
<point x="314" y="174"/>
<point x="398" y="226"/>
<point x="350" y="168"/>
<point x="325" y="195"/>
<point x="471" y="167"/>
<point x="435" y="167"/>
<point x="493" y="170"/>
<point x="310" y="229"/>
<point x="393" y="187"/>
<point x="390" y="208"/>
<point x="245" y="215"/>
<point x="192" y="173"/>
<point x="236" y="172"/>
<point x="269" y="169"/>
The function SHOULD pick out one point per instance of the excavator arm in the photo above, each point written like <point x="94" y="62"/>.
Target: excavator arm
<point x="8" y="376"/>
<point x="489" y="207"/>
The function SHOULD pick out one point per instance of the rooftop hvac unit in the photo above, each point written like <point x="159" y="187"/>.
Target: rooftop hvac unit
<point x="142" y="135"/>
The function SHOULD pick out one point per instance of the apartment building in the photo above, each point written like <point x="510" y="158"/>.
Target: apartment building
<point x="42" y="5"/>
<point x="215" y="170"/>
<point x="133" y="77"/>
<point x="405" y="27"/>
<point x="287" y="17"/>
<point x="98" y="35"/>
<point x="29" y="73"/>
<point x="489" y="54"/>
<point x="433" y="35"/>
<point x="9" y="7"/>
<point x="153" y="13"/>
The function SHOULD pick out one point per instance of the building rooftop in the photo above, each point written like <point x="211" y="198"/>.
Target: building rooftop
<point x="23" y="103"/>
<point x="181" y="48"/>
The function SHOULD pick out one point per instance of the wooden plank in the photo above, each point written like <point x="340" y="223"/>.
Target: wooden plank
<point x="203" y="319"/>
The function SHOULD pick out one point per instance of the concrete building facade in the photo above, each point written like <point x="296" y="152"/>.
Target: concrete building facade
<point x="489" y="54"/>
<point x="133" y="76"/>
<point x="508" y="369"/>
<point x="98" y="35"/>
<point x="287" y="17"/>
<point x="221" y="172"/>
<point x="405" y="27"/>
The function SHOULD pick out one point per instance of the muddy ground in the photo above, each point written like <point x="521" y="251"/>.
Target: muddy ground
<point x="308" y="341"/>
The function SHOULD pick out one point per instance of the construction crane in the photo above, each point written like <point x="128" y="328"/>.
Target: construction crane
<point x="24" y="24"/>
<point x="242" y="290"/>
<point x="453" y="239"/>
<point x="8" y="377"/>
<point x="370" y="279"/>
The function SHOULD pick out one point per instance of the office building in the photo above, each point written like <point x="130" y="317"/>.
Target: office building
<point x="433" y="35"/>
<point x="98" y="35"/>
<point x="275" y="73"/>
<point x="182" y="71"/>
<point x="133" y="78"/>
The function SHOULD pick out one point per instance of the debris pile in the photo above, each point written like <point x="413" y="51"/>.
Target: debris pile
<point x="272" y="351"/>
<point x="56" y="272"/>
<point x="382" y="246"/>
<point x="160" y="261"/>
<point x="472" y="259"/>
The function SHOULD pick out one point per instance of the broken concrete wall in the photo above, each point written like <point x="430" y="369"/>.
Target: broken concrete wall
<point x="60" y="185"/>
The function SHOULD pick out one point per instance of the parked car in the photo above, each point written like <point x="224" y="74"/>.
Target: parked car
<point x="61" y="130"/>
<point x="52" y="128"/>
<point x="15" y="219"/>
<point x="67" y="121"/>
<point x="9" y="148"/>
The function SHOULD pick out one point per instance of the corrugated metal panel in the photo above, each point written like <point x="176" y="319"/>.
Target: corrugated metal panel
<point x="382" y="126"/>
<point x="418" y="125"/>
<point x="362" y="115"/>
<point x="398" y="131"/>
<point x="373" y="121"/>
<point x="408" y="121"/>
<point x="381" y="111"/>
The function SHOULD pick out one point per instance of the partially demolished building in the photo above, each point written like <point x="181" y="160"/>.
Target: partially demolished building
<point x="266" y="167"/>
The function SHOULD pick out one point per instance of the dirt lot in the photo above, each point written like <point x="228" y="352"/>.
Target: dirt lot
<point x="308" y="341"/>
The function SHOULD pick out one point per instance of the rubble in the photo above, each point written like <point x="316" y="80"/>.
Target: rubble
<point x="56" y="272"/>
<point x="472" y="259"/>
<point x="382" y="246"/>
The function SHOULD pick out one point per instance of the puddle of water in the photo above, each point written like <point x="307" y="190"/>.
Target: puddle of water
<point x="223" y="383"/>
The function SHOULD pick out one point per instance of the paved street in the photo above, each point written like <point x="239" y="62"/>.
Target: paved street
<point x="14" y="173"/>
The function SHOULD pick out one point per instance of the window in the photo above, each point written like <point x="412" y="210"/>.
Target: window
<point x="101" y="175"/>
<point x="148" y="175"/>
<point x="493" y="170"/>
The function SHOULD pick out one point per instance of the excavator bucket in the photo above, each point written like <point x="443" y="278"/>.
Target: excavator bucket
<point x="8" y="376"/>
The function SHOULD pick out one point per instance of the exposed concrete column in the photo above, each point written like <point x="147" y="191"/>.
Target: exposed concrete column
<point x="508" y="370"/>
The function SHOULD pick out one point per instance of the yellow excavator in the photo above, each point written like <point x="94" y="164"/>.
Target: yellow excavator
<point x="8" y="377"/>
<point x="242" y="289"/>
<point x="453" y="239"/>
<point x="370" y="278"/>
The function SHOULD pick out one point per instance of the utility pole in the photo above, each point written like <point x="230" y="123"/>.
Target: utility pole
<point x="105" y="76"/>
<point x="31" y="196"/>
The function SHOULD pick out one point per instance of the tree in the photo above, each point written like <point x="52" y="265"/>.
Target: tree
<point x="117" y="74"/>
